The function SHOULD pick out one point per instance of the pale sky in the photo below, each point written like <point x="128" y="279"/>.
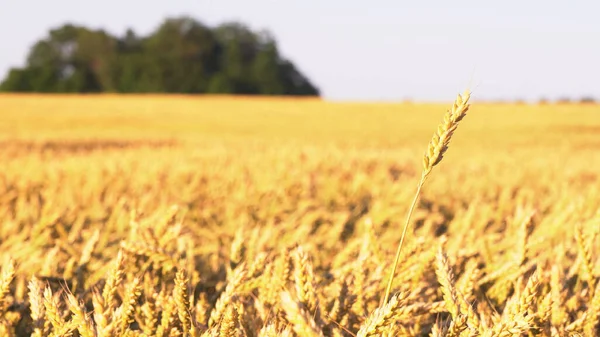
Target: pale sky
<point x="372" y="50"/>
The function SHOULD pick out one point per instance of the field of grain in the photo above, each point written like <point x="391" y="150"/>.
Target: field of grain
<point x="217" y="216"/>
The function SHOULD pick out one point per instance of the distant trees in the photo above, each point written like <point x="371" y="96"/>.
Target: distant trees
<point x="582" y="100"/>
<point x="587" y="100"/>
<point x="567" y="100"/>
<point x="181" y="56"/>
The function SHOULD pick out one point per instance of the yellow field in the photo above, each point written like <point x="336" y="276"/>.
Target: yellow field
<point x="217" y="216"/>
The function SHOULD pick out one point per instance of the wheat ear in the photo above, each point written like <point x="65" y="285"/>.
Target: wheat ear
<point x="435" y="152"/>
<point x="7" y="276"/>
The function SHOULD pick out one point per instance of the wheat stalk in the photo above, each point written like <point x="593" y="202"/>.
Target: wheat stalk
<point x="36" y="304"/>
<point x="435" y="152"/>
<point x="8" y="274"/>
<point x="300" y="319"/>
<point x="182" y="300"/>
<point x="381" y="319"/>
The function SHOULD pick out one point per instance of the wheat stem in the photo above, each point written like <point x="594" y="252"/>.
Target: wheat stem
<point x="388" y="289"/>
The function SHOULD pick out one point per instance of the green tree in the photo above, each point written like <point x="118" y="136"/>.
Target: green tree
<point x="184" y="51"/>
<point x="181" y="56"/>
<point x="267" y="70"/>
<point x="70" y="59"/>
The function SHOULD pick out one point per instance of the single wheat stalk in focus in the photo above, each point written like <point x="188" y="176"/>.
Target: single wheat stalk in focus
<point x="435" y="152"/>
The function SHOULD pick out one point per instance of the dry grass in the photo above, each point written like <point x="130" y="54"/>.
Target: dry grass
<point x="157" y="216"/>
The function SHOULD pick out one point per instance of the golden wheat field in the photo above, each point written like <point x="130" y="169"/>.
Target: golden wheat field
<point x="220" y="216"/>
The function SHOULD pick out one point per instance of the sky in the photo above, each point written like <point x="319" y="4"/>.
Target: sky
<point x="374" y="50"/>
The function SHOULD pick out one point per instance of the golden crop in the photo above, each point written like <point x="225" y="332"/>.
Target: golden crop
<point x="219" y="216"/>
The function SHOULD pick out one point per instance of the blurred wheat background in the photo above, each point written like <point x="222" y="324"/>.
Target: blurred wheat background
<point x="220" y="216"/>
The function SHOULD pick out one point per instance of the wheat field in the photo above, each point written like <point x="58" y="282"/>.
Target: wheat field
<point x="221" y="216"/>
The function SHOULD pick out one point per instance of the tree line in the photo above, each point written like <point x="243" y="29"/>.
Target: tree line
<point x="181" y="56"/>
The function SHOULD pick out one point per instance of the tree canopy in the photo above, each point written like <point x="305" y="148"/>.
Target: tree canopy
<point x="181" y="56"/>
